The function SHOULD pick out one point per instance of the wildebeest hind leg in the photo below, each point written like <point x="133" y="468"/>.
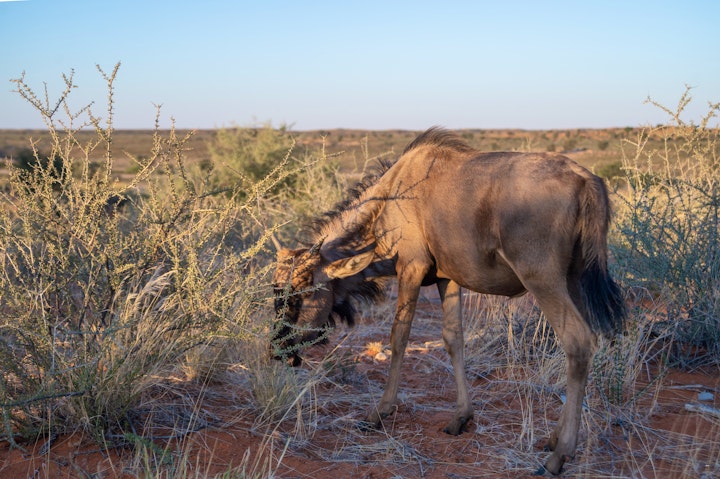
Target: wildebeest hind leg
<point x="579" y="343"/>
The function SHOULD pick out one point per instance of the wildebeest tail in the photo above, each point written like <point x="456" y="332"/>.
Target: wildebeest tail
<point x="602" y="299"/>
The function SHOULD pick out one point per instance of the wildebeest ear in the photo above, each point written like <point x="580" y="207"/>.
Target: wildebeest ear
<point x="345" y="267"/>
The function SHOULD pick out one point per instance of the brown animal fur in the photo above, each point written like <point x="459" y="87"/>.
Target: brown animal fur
<point x="446" y="214"/>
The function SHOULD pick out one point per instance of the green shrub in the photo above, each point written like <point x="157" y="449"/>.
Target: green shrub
<point x="31" y="160"/>
<point x="104" y="288"/>
<point x="570" y="144"/>
<point x="244" y="156"/>
<point x="668" y="235"/>
<point x="303" y="181"/>
<point x="611" y="171"/>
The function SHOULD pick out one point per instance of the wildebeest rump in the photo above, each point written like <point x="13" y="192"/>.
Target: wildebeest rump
<point x="447" y="214"/>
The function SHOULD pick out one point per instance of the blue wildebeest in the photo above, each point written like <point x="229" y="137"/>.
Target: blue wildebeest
<point x="447" y="214"/>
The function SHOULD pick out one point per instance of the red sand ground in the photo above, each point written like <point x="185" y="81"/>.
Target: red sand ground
<point x="672" y="442"/>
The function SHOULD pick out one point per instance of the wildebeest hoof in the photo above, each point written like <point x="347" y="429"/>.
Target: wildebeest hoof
<point x="540" y="471"/>
<point x="554" y="465"/>
<point x="456" y="427"/>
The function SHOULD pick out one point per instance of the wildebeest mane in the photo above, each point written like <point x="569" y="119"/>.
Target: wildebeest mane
<point x="319" y="224"/>
<point x="372" y="289"/>
<point x="436" y="136"/>
<point x="439" y="137"/>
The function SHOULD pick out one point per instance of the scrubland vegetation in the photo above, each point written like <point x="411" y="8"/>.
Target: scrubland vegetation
<point x="123" y="290"/>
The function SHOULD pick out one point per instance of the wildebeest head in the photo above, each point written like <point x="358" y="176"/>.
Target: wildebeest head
<point x="310" y="292"/>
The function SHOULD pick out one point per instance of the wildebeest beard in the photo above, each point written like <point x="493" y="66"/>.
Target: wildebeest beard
<point x="290" y="336"/>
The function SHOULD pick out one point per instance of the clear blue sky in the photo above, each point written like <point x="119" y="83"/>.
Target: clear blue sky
<point x="535" y="64"/>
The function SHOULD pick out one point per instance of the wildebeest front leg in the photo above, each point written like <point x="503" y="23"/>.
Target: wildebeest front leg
<point x="409" y="282"/>
<point x="452" y="332"/>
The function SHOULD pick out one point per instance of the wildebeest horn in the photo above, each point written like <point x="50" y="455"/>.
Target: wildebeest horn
<point x="275" y="241"/>
<point x="316" y="247"/>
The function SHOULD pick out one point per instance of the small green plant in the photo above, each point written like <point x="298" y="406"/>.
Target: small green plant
<point x="155" y="462"/>
<point x="620" y="362"/>
<point x="274" y="385"/>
